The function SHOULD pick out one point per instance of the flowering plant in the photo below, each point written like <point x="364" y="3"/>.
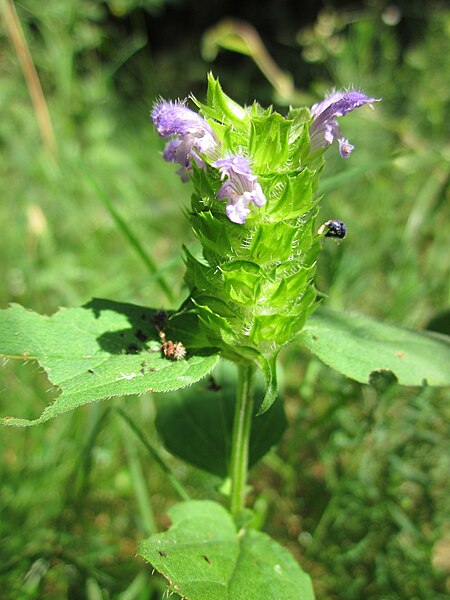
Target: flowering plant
<point x="255" y="176"/>
<point x="253" y="288"/>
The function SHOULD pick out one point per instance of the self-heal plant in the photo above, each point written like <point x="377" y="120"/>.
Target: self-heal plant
<point x="253" y="288"/>
<point x="255" y="177"/>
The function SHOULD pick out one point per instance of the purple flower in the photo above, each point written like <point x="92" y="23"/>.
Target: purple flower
<point x="241" y="187"/>
<point x="325" y="128"/>
<point x="192" y="135"/>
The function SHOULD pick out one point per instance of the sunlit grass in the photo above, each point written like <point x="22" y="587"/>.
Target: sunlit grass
<point x="359" y="487"/>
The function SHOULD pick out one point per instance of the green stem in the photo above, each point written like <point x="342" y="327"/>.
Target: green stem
<point x="241" y="438"/>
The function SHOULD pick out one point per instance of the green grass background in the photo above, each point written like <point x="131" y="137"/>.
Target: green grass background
<point x="358" y="489"/>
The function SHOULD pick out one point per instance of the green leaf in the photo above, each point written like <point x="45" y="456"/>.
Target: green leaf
<point x="217" y="233"/>
<point x="269" y="142"/>
<point x="358" y="346"/>
<point x="299" y="139"/>
<point x="103" y="349"/>
<point x="241" y="280"/>
<point x="269" y="370"/>
<point x="203" y="557"/>
<point x="271" y="242"/>
<point x="222" y="108"/>
<point x="203" y="414"/>
<point x="294" y="197"/>
<point x="224" y="35"/>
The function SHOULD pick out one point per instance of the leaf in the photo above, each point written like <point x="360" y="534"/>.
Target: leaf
<point x="102" y="349"/>
<point x="269" y="142"/>
<point x="294" y="194"/>
<point x="269" y="369"/>
<point x="203" y="414"/>
<point x="221" y="107"/>
<point x="204" y="558"/>
<point x="357" y="346"/>
<point x="225" y="35"/>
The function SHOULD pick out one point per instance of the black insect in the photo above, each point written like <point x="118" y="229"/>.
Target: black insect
<point x="213" y="385"/>
<point x="334" y="229"/>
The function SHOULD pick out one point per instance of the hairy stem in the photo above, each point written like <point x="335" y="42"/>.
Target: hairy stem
<point x="241" y="437"/>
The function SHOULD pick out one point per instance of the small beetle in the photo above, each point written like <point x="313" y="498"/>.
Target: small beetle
<point x="334" y="229"/>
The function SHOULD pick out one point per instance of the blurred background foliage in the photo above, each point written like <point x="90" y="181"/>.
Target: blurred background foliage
<point x="358" y="489"/>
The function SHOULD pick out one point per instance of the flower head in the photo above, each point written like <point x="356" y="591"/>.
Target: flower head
<point x="240" y="189"/>
<point x="192" y="135"/>
<point x="325" y="128"/>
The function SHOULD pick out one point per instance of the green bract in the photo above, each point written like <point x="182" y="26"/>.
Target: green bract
<point x="253" y="288"/>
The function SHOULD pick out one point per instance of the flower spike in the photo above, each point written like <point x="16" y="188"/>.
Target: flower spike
<point x="252" y="289"/>
<point x="240" y="189"/>
<point x="325" y="128"/>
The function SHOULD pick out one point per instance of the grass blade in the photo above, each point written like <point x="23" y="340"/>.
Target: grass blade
<point x="132" y="239"/>
<point x="178" y="486"/>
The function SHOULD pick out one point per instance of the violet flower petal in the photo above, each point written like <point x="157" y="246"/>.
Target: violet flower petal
<point x="325" y="128"/>
<point x="240" y="188"/>
<point x="193" y="135"/>
<point x="237" y="210"/>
